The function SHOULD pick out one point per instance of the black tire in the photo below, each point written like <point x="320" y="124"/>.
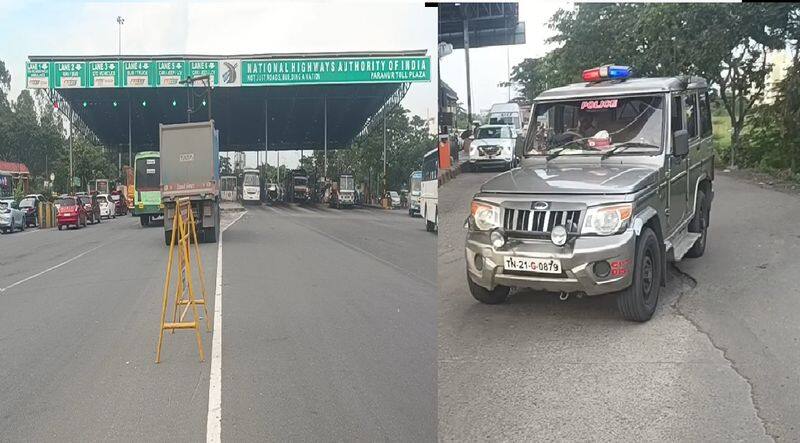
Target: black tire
<point x="638" y="302"/>
<point x="699" y="224"/>
<point x="430" y="226"/>
<point x="60" y="227"/>
<point x="22" y="227"/>
<point x="144" y="220"/>
<point x="494" y="297"/>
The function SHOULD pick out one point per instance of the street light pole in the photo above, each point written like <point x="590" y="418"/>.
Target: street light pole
<point x="120" y="22"/>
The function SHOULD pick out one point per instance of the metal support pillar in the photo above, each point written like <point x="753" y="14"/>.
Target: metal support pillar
<point x="384" y="155"/>
<point x="325" y="143"/>
<point x="466" y="56"/>
<point x="71" y="171"/>
<point x="130" y="144"/>
<point x="266" y="139"/>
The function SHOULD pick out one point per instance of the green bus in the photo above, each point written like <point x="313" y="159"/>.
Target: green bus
<point x="147" y="187"/>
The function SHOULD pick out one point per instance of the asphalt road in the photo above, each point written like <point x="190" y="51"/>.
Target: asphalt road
<point x="718" y="361"/>
<point x="329" y="332"/>
<point x="330" y="327"/>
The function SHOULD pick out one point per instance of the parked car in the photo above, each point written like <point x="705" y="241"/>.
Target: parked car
<point x="120" y="203"/>
<point x="395" y="198"/>
<point x="71" y="211"/>
<point x="10" y="217"/>
<point x="92" y="207"/>
<point x="30" y="206"/>
<point x="107" y="206"/>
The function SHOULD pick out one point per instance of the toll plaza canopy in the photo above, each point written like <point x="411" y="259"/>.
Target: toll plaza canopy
<point x="485" y="24"/>
<point x="122" y="100"/>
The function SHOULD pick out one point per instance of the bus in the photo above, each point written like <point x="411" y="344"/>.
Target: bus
<point x="251" y="186"/>
<point x="415" y="190"/>
<point x="147" y="187"/>
<point x="99" y="186"/>
<point x="429" y="190"/>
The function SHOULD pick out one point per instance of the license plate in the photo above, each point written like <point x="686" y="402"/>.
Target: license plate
<point x="545" y="265"/>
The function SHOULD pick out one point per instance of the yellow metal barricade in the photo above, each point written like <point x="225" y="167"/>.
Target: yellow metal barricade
<point x="46" y="215"/>
<point x="184" y="234"/>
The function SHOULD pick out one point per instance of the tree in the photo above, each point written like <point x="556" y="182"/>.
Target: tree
<point x="667" y="40"/>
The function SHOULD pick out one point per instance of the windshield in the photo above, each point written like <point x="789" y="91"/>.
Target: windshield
<point x="346" y="183"/>
<point x="590" y="126"/>
<point x="393" y="194"/>
<point x="27" y="202"/>
<point x="65" y="202"/>
<point x="250" y="180"/>
<point x="115" y="197"/>
<point x="494" y="132"/>
<point x="148" y="176"/>
<point x="416" y="185"/>
<point x="3" y="205"/>
<point x="300" y="181"/>
<point x="86" y="200"/>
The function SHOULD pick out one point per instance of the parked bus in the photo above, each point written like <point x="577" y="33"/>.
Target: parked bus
<point x="147" y="187"/>
<point x="415" y="191"/>
<point x="251" y="186"/>
<point x="429" y="190"/>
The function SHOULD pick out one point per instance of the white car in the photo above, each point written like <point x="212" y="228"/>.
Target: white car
<point x="10" y="217"/>
<point x="493" y="147"/>
<point x="395" y="197"/>
<point x="107" y="206"/>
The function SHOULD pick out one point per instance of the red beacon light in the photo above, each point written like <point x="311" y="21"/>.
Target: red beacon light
<point x="607" y="72"/>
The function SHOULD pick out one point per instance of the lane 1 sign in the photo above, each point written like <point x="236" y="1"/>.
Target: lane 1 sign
<point x="37" y="75"/>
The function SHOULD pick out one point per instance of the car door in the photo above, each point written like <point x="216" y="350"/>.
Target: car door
<point x="700" y="153"/>
<point x="677" y="167"/>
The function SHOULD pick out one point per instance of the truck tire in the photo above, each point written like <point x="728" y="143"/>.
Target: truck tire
<point x="144" y="220"/>
<point x="494" y="297"/>
<point x="638" y="302"/>
<point x="699" y="224"/>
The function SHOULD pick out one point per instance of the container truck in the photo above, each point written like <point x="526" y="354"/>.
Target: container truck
<point x="190" y="169"/>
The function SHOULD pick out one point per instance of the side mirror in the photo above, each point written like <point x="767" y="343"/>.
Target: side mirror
<point x="680" y="143"/>
<point x="15" y="205"/>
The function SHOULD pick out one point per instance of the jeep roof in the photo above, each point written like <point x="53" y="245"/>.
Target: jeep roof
<point x="623" y="87"/>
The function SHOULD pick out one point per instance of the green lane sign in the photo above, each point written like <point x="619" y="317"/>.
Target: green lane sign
<point x="69" y="74"/>
<point x="104" y="74"/>
<point x="335" y="70"/>
<point x="37" y="75"/>
<point x="199" y="68"/>
<point x="138" y="74"/>
<point x="226" y="72"/>
<point x="170" y="73"/>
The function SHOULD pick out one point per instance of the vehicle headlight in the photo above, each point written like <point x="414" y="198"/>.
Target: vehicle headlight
<point x="486" y="216"/>
<point x="608" y="219"/>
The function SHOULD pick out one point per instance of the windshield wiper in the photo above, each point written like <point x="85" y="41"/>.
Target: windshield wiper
<point x="623" y="146"/>
<point x="555" y="152"/>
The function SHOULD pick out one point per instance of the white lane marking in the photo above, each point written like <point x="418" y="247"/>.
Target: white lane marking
<point x="273" y="209"/>
<point x="214" y="418"/>
<point x="51" y="268"/>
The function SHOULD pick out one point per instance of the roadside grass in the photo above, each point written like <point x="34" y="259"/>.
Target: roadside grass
<point x="722" y="136"/>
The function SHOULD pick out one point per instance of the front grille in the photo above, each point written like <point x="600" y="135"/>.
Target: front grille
<point x="540" y="221"/>
<point x="489" y="150"/>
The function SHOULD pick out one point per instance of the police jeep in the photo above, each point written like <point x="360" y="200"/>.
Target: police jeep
<point x="615" y="181"/>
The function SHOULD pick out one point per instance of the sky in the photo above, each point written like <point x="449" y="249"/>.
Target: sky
<point x="491" y="65"/>
<point x="55" y="27"/>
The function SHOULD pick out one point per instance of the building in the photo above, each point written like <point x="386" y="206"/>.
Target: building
<point x="12" y="173"/>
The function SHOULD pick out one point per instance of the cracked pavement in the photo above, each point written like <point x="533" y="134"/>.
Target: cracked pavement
<point x="717" y="362"/>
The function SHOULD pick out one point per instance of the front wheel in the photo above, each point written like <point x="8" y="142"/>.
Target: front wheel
<point x="144" y="220"/>
<point x="638" y="302"/>
<point x="490" y="297"/>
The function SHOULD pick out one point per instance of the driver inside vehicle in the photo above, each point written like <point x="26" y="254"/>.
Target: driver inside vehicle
<point x="587" y="126"/>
